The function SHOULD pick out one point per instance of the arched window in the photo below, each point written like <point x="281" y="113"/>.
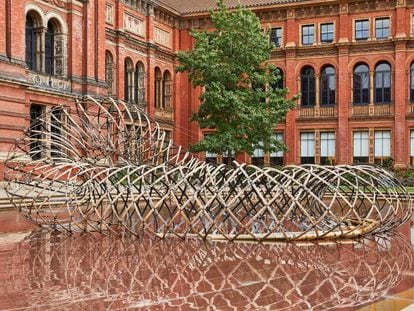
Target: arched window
<point x="307" y="78"/>
<point x="129" y="81"/>
<point x="412" y="83"/>
<point x="361" y="85"/>
<point x="158" y="87"/>
<point x="279" y="83"/>
<point x="382" y="83"/>
<point x="328" y="86"/>
<point x="30" y="44"/>
<point x="50" y="49"/>
<point x="109" y="72"/>
<point x="166" y="90"/>
<point x="139" y="83"/>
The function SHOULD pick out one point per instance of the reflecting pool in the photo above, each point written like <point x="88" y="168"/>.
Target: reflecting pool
<point x="54" y="271"/>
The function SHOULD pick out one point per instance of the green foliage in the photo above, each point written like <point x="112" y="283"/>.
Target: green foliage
<point x="388" y="162"/>
<point x="241" y="100"/>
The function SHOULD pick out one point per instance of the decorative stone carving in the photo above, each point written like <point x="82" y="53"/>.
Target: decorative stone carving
<point x="134" y="25"/>
<point x="109" y="14"/>
<point x="162" y="37"/>
<point x="50" y="82"/>
<point x="58" y="3"/>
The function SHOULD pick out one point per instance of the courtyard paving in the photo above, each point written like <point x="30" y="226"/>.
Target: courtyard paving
<point x="49" y="271"/>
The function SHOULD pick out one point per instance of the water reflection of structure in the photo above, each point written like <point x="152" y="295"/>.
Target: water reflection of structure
<point x="111" y="166"/>
<point x="85" y="271"/>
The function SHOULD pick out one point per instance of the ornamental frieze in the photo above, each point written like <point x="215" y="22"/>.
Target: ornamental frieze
<point x="162" y="37"/>
<point x="371" y="5"/>
<point x="134" y="25"/>
<point x="277" y="54"/>
<point x="371" y="47"/>
<point x="309" y="52"/>
<point x="279" y="15"/>
<point x="49" y="82"/>
<point x="317" y="11"/>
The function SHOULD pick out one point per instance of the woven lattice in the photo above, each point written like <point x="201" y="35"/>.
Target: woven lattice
<point x="93" y="271"/>
<point x="108" y="167"/>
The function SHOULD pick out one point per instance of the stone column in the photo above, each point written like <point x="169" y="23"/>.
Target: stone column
<point x="40" y="33"/>
<point x="371" y="92"/>
<point x="317" y="94"/>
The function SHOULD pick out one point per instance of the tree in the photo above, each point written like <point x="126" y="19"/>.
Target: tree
<point x="240" y="98"/>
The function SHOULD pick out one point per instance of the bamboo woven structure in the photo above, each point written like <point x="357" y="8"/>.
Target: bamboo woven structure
<point x="93" y="271"/>
<point x="108" y="167"/>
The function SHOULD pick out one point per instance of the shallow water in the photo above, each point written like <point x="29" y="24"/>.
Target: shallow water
<point x="50" y="271"/>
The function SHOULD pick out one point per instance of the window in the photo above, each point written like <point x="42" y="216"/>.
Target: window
<point x="328" y="86"/>
<point x="30" y="44"/>
<point x="361" y="85"/>
<point x="382" y="84"/>
<point x="328" y="148"/>
<point x="129" y="81"/>
<point x="361" y="147"/>
<point x="308" y="34"/>
<point x="307" y="79"/>
<point x="50" y="49"/>
<point x="229" y="157"/>
<point x="258" y="157"/>
<point x="56" y="133"/>
<point x="109" y="72"/>
<point x="211" y="157"/>
<point x="276" y="158"/>
<point x="362" y="29"/>
<point x="412" y="83"/>
<point x="382" y="28"/>
<point x="276" y="37"/>
<point x="139" y="81"/>
<point x="382" y="146"/>
<point x="307" y="148"/>
<point x="158" y="88"/>
<point x="36" y="128"/>
<point x="166" y="90"/>
<point x="327" y="33"/>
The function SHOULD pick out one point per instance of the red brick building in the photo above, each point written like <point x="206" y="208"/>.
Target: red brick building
<point x="352" y="61"/>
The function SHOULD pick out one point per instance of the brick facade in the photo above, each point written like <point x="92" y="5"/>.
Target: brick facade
<point x="114" y="47"/>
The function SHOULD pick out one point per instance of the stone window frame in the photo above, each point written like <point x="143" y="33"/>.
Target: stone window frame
<point x="322" y="76"/>
<point x="301" y="141"/>
<point x="383" y="72"/>
<point x="167" y="90"/>
<point x="139" y="83"/>
<point x="328" y="158"/>
<point x="60" y="49"/>
<point x="389" y="26"/>
<point x="411" y="83"/>
<point x="315" y="34"/>
<point x="379" y="158"/>
<point x="411" y="140"/>
<point x="333" y="33"/>
<point x="309" y="91"/>
<point x="412" y="24"/>
<point x="110" y="72"/>
<point x="361" y="19"/>
<point x="280" y="45"/>
<point x="279" y="154"/>
<point x="46" y="144"/>
<point x="362" y="157"/>
<point x="128" y="80"/>
<point x="368" y="73"/>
